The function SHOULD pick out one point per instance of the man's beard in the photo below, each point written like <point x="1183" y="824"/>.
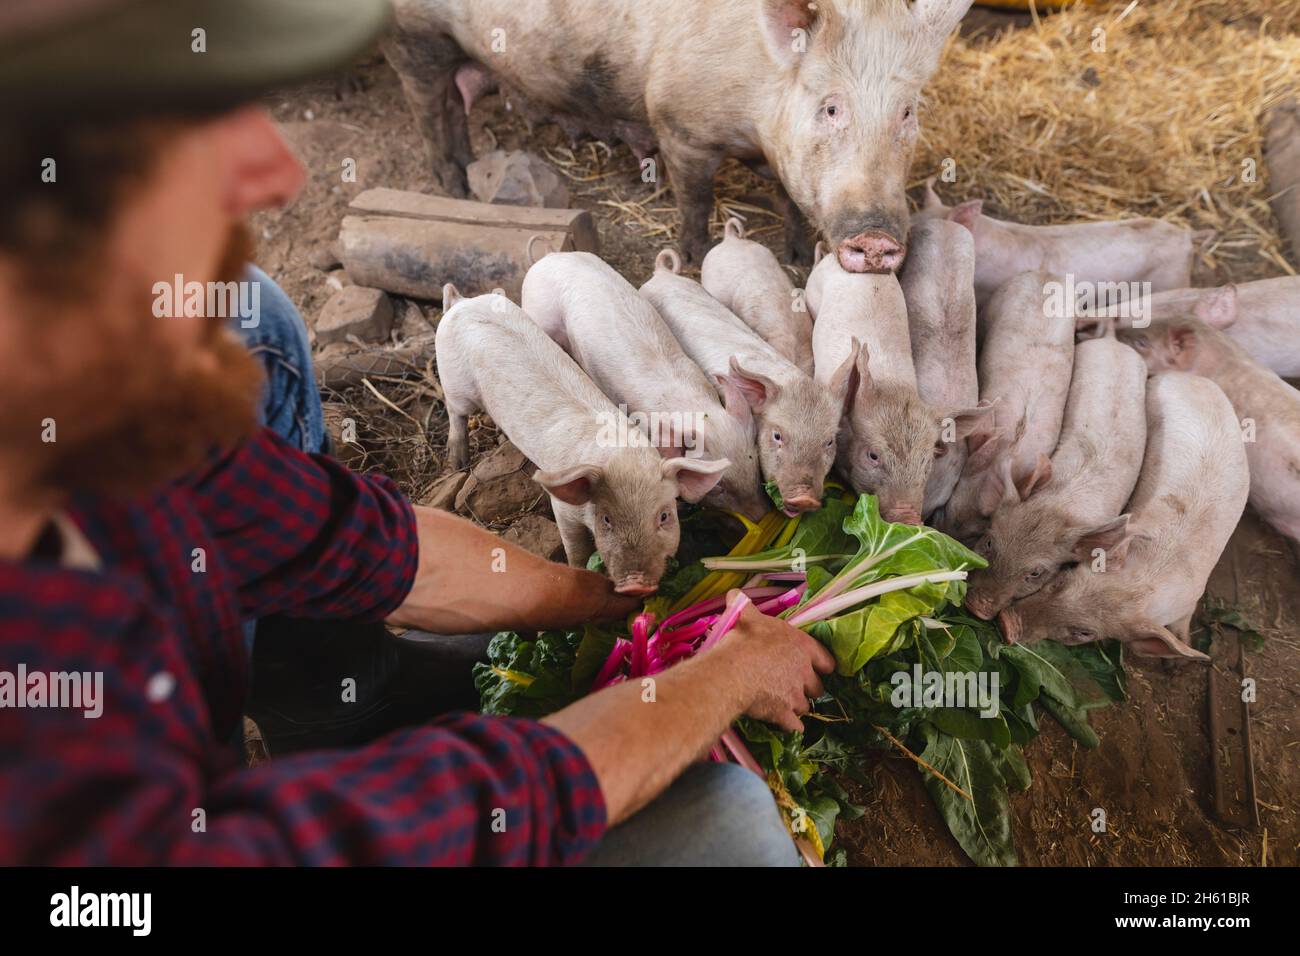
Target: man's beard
<point x="134" y="414"/>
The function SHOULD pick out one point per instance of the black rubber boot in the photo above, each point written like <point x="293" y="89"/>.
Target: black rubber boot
<point x="299" y="699"/>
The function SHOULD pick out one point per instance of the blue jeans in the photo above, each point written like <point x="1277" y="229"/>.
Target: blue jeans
<point x="715" y="814"/>
<point x="277" y="336"/>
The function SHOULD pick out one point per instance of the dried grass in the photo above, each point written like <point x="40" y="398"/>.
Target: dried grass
<point x="1164" y="122"/>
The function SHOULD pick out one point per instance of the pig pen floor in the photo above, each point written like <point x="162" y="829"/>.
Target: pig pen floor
<point x="1152" y="772"/>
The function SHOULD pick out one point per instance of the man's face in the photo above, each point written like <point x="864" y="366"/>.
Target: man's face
<point x="131" y="399"/>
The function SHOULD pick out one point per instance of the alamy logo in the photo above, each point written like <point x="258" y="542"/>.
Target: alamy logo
<point x="1122" y="300"/>
<point x="75" y="690"/>
<point x="673" y="430"/>
<point x="918" y="688"/>
<point x="216" y="300"/>
<point x="75" y="908"/>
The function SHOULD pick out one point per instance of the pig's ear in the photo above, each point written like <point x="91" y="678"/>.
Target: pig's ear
<point x="1151" y="640"/>
<point x="1040" y="475"/>
<point x="844" y="383"/>
<point x="996" y="488"/>
<point x="759" y="390"/>
<point x="734" y="399"/>
<point x="966" y="213"/>
<point x="1182" y="346"/>
<point x="969" y="421"/>
<point x="734" y="229"/>
<point x="1112" y="537"/>
<point x="788" y="26"/>
<point x="1218" y="310"/>
<point x="573" y="486"/>
<point x="695" y="478"/>
<point x="940" y="17"/>
<point x="450" y="296"/>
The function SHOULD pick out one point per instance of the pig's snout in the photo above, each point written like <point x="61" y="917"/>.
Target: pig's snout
<point x="872" y="251"/>
<point x="802" y="499"/>
<point x="1010" y="623"/>
<point x="637" y="585"/>
<point x="981" y="605"/>
<point x="901" y="514"/>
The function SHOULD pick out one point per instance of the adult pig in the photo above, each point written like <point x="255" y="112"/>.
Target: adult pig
<point x="890" y="436"/>
<point x="1268" y="408"/>
<point x="796" y="418"/>
<point x="824" y="95"/>
<point x="618" y="339"/>
<point x="1101" y="254"/>
<point x="745" y="277"/>
<point x="1074" y="508"/>
<point x="1188" y="500"/>
<point x="938" y="281"/>
<point x="1025" y="363"/>
<point x="618" y="499"/>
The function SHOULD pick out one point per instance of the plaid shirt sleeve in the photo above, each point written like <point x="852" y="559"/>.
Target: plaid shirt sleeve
<point x="305" y="536"/>
<point x="144" y="782"/>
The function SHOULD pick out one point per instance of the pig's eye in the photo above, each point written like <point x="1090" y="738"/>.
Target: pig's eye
<point x="1141" y="342"/>
<point x="604" y="519"/>
<point x="984" y="545"/>
<point x="873" y="457"/>
<point x="1036" y="573"/>
<point x="1082" y="634"/>
<point x="776" y="437"/>
<point x="830" y="443"/>
<point x="907" y="114"/>
<point x="663" y="517"/>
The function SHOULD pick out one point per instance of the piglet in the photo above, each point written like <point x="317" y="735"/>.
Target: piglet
<point x="1025" y="363"/>
<point x="1267" y="407"/>
<point x="1073" y="508"/>
<point x="610" y="490"/>
<point x="1188" y="500"/>
<point x="618" y="339"/>
<point x="1263" y="317"/>
<point x="796" y="418"/>
<point x="938" y="284"/>
<point x="1129" y="250"/>
<point x="745" y="277"/>
<point x="890" y="437"/>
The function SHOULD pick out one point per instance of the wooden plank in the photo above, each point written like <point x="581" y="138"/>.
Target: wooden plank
<point x="409" y="205"/>
<point x="416" y="257"/>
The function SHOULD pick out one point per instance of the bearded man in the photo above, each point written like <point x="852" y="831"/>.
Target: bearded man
<point x="145" y="515"/>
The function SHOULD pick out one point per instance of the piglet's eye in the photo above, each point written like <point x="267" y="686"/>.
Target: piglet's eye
<point x="604" y="519"/>
<point x="663" y="517"/>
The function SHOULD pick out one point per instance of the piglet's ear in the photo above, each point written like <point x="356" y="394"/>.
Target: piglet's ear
<point x="758" y="390"/>
<point x="1182" y="346"/>
<point x="694" y="478"/>
<point x="1151" y="640"/>
<point x="997" y="488"/>
<point x="1041" y="474"/>
<point x="844" y="383"/>
<point x="1112" y="537"/>
<point x="966" y="213"/>
<point x="573" y="486"/>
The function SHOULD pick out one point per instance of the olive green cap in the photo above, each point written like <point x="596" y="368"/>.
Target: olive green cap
<point x="137" y="56"/>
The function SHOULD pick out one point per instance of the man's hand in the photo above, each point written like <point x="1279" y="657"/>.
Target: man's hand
<point x="778" y="666"/>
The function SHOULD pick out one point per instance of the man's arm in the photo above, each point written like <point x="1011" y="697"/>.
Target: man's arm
<point x="764" y="668"/>
<point x="471" y="580"/>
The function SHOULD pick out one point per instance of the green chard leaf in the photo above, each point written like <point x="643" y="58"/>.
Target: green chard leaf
<point x="982" y="825"/>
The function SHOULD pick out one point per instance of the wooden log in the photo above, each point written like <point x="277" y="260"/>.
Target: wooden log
<point x="343" y="366"/>
<point x="411" y="244"/>
<point x="1282" y="152"/>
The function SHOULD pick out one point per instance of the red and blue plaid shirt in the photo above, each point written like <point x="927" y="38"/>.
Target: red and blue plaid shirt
<point x="153" y="780"/>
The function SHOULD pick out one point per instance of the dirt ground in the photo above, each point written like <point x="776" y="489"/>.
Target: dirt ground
<point x="1152" y="773"/>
